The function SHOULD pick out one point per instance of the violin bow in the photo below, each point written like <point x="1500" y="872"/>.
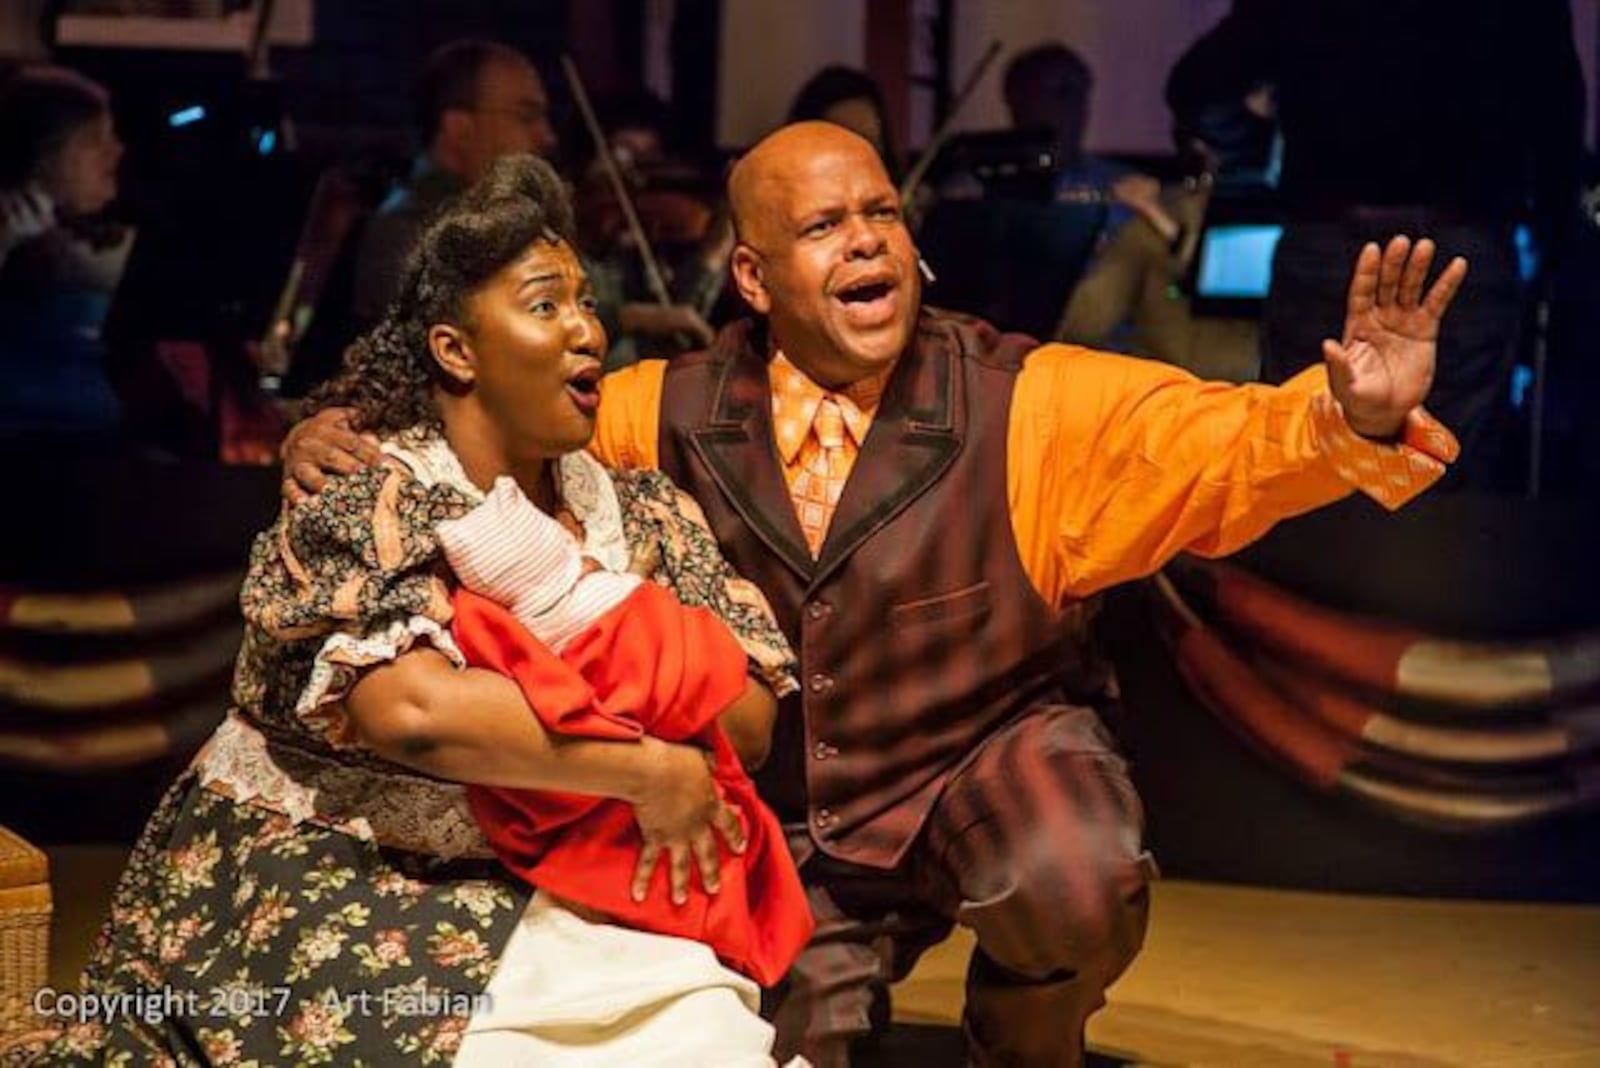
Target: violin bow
<point x="256" y="52"/>
<point x="908" y="188"/>
<point x="652" y="267"/>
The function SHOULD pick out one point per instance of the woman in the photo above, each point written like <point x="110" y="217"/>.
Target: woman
<point x="314" y="885"/>
<point x="60" y="260"/>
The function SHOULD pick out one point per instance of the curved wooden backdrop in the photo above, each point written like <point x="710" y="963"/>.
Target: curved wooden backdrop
<point x="119" y="624"/>
<point x="1406" y="703"/>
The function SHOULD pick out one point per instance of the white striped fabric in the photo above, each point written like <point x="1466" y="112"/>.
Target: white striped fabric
<point x="512" y="553"/>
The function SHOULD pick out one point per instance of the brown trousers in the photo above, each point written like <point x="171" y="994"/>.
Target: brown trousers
<point x="1036" y="846"/>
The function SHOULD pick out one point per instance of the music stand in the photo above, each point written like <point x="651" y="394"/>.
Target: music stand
<point x="1008" y="164"/>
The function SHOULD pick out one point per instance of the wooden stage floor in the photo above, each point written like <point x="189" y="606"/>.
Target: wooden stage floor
<point x="1236" y="978"/>
<point x="1249" y="978"/>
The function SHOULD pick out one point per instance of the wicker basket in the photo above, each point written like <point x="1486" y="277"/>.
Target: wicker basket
<point x="24" y="932"/>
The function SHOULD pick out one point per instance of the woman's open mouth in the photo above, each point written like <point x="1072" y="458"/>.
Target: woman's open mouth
<point x="584" y="389"/>
<point x="869" y="302"/>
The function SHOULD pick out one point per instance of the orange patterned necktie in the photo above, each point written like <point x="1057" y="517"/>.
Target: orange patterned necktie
<point x="824" y="466"/>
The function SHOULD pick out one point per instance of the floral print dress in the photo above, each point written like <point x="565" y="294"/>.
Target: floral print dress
<point x="296" y="899"/>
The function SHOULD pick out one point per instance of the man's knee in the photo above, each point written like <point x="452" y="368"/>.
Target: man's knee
<point x="1054" y="924"/>
<point x="1040" y="839"/>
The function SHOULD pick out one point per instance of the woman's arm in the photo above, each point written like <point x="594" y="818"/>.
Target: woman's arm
<point x="474" y="726"/>
<point x="508" y="551"/>
<point x="748" y="723"/>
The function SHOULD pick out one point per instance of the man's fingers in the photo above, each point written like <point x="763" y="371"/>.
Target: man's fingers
<point x="1364" y="282"/>
<point x="368" y="449"/>
<point x="1340" y="367"/>
<point x="679" y="872"/>
<point x="1390" y="269"/>
<point x="309" y="476"/>
<point x="1416" y="274"/>
<point x="345" y="440"/>
<point x="341" y="459"/>
<point x="648" y="856"/>
<point x="707" y="860"/>
<point x="293" y="493"/>
<point x="1445" y="288"/>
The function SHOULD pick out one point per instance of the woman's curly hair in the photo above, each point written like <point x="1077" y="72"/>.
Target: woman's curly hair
<point x="389" y="375"/>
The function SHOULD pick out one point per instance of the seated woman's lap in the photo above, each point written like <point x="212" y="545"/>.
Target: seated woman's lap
<point x="294" y="940"/>
<point x="573" y="991"/>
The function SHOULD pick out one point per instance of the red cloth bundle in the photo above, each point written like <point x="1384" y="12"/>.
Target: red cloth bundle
<point x="649" y="666"/>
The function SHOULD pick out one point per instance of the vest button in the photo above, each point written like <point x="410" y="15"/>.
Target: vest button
<point x="824" y="818"/>
<point x="824" y="751"/>
<point x="819" y="683"/>
<point x="818" y="610"/>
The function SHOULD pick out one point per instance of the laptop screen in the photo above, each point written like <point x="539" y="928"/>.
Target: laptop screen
<point x="1235" y="261"/>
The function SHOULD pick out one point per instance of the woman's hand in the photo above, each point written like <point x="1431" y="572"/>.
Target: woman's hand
<point x="680" y="813"/>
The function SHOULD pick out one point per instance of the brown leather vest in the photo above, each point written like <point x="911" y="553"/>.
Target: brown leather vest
<point x="917" y="629"/>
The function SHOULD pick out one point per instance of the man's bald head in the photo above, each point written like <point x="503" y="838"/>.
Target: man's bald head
<point x="823" y="251"/>
<point x="773" y="161"/>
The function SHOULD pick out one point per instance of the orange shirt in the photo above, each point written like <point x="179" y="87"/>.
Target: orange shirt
<point x="1115" y="464"/>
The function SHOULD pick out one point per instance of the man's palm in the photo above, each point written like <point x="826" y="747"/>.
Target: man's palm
<point x="1383" y="367"/>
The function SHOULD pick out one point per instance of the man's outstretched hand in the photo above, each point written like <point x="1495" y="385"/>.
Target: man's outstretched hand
<point x="325" y="444"/>
<point x="1383" y="366"/>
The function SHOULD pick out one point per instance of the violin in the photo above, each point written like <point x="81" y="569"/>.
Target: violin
<point x="676" y="206"/>
<point x="701" y="231"/>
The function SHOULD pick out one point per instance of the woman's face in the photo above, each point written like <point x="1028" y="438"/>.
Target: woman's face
<point x="535" y="345"/>
<point x="82" y="178"/>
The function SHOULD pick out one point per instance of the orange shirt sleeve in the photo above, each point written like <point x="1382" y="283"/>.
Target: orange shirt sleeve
<point x="1115" y="464"/>
<point x="628" y="430"/>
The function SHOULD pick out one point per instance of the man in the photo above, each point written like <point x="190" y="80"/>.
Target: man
<point x="1049" y="87"/>
<point x="1505" y="151"/>
<point x="933" y="769"/>
<point x="476" y="101"/>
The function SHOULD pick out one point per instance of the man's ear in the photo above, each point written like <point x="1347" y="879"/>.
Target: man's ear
<point x="749" y="279"/>
<point x="452" y="351"/>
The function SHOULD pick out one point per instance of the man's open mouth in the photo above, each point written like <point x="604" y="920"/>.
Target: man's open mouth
<point x="869" y="302"/>
<point x="866" y="292"/>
